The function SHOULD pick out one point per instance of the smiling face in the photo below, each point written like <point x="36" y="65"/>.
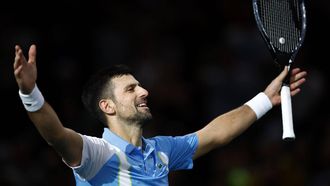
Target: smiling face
<point x="130" y="100"/>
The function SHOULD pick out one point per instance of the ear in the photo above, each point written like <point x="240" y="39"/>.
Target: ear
<point x="107" y="106"/>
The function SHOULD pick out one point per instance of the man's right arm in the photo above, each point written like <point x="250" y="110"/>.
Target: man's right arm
<point x="65" y="141"/>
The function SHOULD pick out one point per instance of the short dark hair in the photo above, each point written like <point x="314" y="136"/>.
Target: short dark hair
<point x="99" y="87"/>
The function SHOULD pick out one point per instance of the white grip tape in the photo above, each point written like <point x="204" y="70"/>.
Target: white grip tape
<point x="287" y="121"/>
<point x="33" y="101"/>
<point x="260" y="104"/>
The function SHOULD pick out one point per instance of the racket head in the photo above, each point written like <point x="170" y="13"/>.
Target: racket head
<point x="282" y="24"/>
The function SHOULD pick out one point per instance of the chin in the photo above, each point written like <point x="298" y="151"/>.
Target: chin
<point x="146" y="119"/>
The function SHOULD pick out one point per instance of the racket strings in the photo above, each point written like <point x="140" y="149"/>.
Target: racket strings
<point x="282" y="23"/>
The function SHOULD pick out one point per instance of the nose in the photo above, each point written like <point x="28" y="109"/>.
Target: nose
<point x="143" y="92"/>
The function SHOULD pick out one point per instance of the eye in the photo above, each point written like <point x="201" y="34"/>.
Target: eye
<point x="130" y="89"/>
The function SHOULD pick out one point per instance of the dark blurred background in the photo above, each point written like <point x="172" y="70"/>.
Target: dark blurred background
<point x="198" y="59"/>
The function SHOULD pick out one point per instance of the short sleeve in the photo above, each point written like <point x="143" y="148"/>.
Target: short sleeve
<point x="96" y="152"/>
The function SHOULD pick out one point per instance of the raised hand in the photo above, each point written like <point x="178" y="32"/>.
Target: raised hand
<point x="25" y="71"/>
<point x="297" y="78"/>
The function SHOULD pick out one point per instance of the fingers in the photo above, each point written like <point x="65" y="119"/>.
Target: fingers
<point x="297" y="74"/>
<point x="296" y="80"/>
<point x="17" y="48"/>
<point x="19" y="53"/>
<point x="294" y="85"/>
<point x="18" y="57"/>
<point x="295" y="91"/>
<point x="18" y="70"/>
<point x="295" y="71"/>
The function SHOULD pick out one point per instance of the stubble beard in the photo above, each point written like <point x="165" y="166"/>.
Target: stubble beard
<point x="139" y="118"/>
<point x="142" y="118"/>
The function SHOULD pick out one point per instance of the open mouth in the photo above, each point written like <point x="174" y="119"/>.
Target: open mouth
<point x="142" y="105"/>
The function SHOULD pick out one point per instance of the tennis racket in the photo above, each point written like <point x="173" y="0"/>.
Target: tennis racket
<point x="282" y="24"/>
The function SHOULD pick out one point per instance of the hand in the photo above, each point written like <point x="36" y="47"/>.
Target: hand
<point x="25" y="71"/>
<point x="297" y="78"/>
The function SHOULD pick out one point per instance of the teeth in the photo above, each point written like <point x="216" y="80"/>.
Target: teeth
<point x="142" y="105"/>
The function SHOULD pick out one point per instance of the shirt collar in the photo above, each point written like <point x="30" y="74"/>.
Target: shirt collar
<point x="123" y="145"/>
<point x="116" y="140"/>
<point x="148" y="146"/>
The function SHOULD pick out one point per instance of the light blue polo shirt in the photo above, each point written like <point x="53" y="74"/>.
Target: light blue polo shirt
<point x="111" y="160"/>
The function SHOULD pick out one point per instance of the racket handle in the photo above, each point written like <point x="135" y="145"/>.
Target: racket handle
<point x="287" y="121"/>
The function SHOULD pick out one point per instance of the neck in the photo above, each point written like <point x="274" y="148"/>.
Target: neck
<point x="131" y="133"/>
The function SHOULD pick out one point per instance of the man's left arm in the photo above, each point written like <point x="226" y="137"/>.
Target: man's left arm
<point x="226" y="127"/>
<point x="223" y="129"/>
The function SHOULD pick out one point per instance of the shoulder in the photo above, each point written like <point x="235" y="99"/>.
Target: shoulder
<point x="93" y="139"/>
<point x="96" y="144"/>
<point x="171" y="140"/>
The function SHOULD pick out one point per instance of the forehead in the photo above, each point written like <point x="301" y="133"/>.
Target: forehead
<point x="120" y="82"/>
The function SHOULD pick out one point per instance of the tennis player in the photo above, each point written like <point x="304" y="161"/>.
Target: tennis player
<point x="123" y="156"/>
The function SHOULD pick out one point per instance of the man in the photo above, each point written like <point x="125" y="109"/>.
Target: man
<point x="122" y="156"/>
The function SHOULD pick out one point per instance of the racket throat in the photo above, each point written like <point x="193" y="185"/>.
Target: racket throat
<point x="284" y="59"/>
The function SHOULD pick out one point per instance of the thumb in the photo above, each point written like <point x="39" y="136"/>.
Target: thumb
<point x="283" y="74"/>
<point x="32" y="54"/>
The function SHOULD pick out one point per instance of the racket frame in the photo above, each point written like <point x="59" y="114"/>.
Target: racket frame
<point x="283" y="59"/>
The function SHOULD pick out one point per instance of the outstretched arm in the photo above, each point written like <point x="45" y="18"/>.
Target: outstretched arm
<point x="226" y="127"/>
<point x="65" y="141"/>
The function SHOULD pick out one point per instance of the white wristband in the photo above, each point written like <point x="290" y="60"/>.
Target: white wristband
<point x="260" y="104"/>
<point x="33" y="101"/>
